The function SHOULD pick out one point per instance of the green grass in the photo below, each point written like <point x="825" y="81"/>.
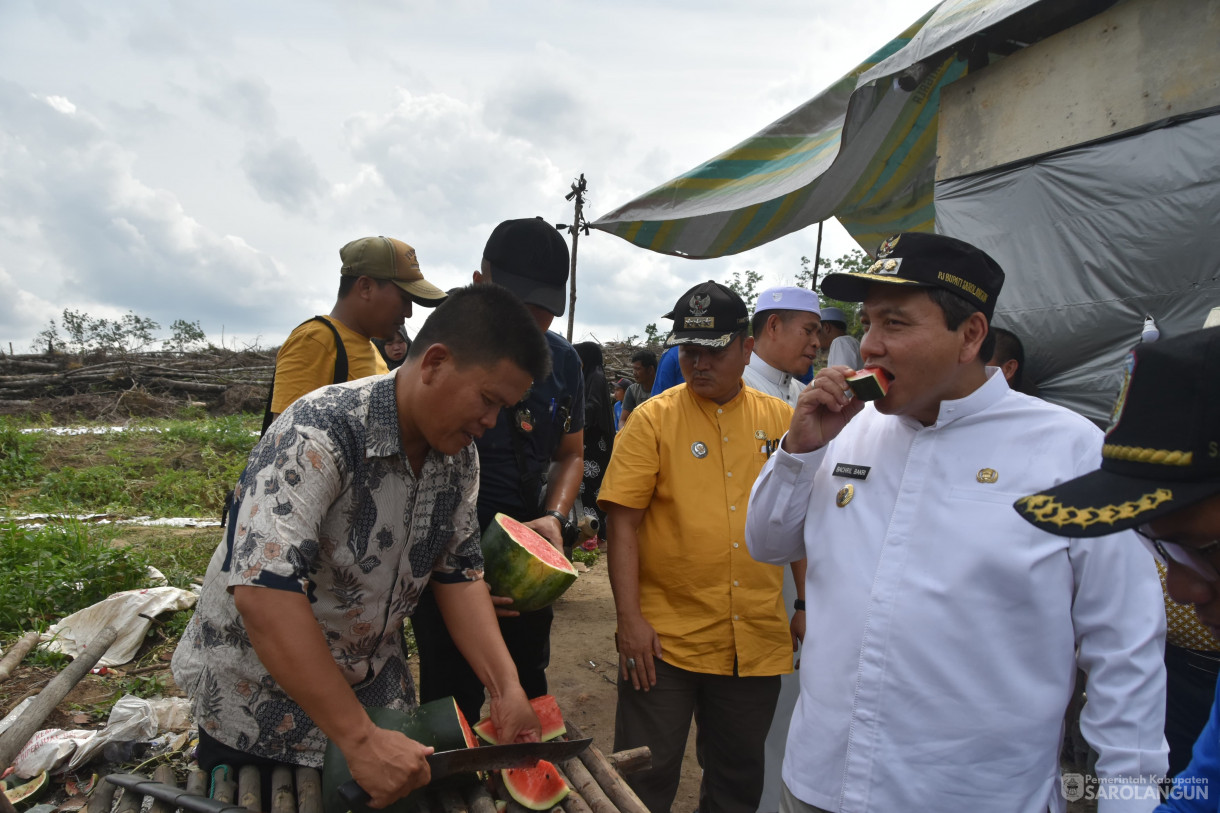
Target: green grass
<point x="159" y="468"/>
<point x="19" y="459"/>
<point x="49" y="572"/>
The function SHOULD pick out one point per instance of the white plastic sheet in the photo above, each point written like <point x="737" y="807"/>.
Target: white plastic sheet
<point x="131" y="719"/>
<point x="124" y="612"/>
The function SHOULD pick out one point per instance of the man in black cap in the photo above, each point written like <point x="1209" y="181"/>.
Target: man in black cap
<point x="943" y="632"/>
<point x="702" y="627"/>
<point x="1160" y="475"/>
<point x="530" y="464"/>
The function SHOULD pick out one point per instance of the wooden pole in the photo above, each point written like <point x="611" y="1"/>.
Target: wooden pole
<point x="24" y="727"/>
<point x="17" y="654"/>
<point x="572" y="294"/>
<point x="619" y="793"/>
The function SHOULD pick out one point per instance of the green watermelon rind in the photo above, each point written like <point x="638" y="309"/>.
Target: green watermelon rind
<point x="437" y="723"/>
<point x="512" y="570"/>
<point x="546" y="707"/>
<point x="28" y="791"/>
<point x="536" y="802"/>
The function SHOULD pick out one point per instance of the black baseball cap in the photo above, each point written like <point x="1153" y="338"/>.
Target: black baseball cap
<point x="708" y="314"/>
<point x="929" y="261"/>
<point x="529" y="258"/>
<point x="1162" y="452"/>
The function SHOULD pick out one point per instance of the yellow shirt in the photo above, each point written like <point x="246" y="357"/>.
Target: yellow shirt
<point x="306" y="361"/>
<point x="691" y="463"/>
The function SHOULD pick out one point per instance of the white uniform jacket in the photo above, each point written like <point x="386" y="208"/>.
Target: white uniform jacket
<point x="761" y="376"/>
<point x="942" y="628"/>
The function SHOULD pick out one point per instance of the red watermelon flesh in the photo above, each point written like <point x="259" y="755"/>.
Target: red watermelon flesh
<point x="537" y="788"/>
<point x="869" y="383"/>
<point x="520" y="564"/>
<point x="549" y="716"/>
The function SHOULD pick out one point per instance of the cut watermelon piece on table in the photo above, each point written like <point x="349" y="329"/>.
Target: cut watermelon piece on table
<point x="869" y="383"/>
<point x="520" y="564"/>
<point x="537" y="788"/>
<point x="549" y="715"/>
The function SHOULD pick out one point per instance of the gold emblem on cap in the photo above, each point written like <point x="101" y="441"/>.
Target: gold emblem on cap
<point x="845" y="494"/>
<point x="888" y="245"/>
<point x="890" y="265"/>
<point x="987" y="476"/>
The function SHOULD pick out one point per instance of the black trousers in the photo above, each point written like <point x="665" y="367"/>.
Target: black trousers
<point x="443" y="671"/>
<point x="1189" y="691"/>
<point x="732" y="717"/>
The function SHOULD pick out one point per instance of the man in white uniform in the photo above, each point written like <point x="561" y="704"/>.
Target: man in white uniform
<point x="840" y="347"/>
<point x="946" y="631"/>
<point x="785" y="327"/>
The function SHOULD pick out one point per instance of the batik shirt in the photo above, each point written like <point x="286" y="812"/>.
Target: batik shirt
<point x="328" y="507"/>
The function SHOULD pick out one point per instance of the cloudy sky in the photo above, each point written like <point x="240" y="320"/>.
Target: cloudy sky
<point x="205" y="161"/>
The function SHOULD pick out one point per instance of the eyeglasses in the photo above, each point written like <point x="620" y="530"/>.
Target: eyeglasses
<point x="1197" y="559"/>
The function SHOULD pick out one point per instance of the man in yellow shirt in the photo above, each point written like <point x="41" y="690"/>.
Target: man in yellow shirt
<point x="702" y="629"/>
<point x="380" y="279"/>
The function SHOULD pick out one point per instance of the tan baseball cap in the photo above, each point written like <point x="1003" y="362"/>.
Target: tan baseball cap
<point x="387" y="258"/>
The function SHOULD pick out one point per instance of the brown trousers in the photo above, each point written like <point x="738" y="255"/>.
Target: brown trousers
<point x="732" y="716"/>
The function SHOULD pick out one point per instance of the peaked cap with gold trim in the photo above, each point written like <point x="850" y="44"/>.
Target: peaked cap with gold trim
<point x="1162" y="451"/>
<point x="924" y="260"/>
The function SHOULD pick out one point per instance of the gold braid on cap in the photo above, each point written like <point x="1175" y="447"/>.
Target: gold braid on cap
<point x="1135" y="454"/>
<point x="1045" y="508"/>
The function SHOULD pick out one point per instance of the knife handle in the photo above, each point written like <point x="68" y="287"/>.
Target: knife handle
<point x="353" y="794"/>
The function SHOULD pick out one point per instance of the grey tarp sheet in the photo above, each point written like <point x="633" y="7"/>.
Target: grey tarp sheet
<point x="1091" y="240"/>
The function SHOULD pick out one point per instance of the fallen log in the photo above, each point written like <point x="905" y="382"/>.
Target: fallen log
<point x="24" y="727"/>
<point x="631" y="760"/>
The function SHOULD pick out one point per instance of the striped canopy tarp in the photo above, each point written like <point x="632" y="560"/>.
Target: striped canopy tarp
<point x="863" y="151"/>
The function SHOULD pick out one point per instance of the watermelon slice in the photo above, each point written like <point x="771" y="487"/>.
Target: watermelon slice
<point x="29" y="791"/>
<point x="537" y="788"/>
<point x="870" y="383"/>
<point x="522" y="565"/>
<point x="549" y="716"/>
<point x="439" y="723"/>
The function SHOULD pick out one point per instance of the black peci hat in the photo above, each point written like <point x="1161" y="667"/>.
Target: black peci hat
<point x="1162" y="452"/>
<point x="925" y="260"/>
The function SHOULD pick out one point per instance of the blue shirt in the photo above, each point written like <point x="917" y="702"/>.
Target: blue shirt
<point x="1198" y="787"/>
<point x="552" y="408"/>
<point x="669" y="374"/>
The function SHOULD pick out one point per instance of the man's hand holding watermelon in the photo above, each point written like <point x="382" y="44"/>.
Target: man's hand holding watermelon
<point x="822" y="410"/>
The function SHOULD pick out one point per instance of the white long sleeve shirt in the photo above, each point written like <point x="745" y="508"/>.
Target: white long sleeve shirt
<point x="761" y="376"/>
<point x="942" y="628"/>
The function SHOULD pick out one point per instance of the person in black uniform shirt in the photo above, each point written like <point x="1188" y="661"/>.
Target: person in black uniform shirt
<point x="531" y="465"/>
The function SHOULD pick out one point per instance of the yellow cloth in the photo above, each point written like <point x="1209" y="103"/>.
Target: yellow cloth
<point x="306" y="361"/>
<point x="1182" y="626"/>
<point x="700" y="589"/>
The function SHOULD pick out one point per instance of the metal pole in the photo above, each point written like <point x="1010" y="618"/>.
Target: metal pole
<point x="817" y="257"/>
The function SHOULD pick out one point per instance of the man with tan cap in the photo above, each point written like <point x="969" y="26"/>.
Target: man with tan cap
<point x="380" y="281"/>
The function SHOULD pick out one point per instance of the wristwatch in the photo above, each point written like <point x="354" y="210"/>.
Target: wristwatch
<point x="799" y="605"/>
<point x="563" y="519"/>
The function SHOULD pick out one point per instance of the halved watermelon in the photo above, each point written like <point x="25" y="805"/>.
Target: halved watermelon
<point x="522" y="565"/>
<point x="439" y="723"/>
<point x="537" y="788"/>
<point x="549" y="716"/>
<point x="870" y="383"/>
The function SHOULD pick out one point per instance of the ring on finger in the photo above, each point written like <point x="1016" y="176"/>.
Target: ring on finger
<point x="631" y="663"/>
